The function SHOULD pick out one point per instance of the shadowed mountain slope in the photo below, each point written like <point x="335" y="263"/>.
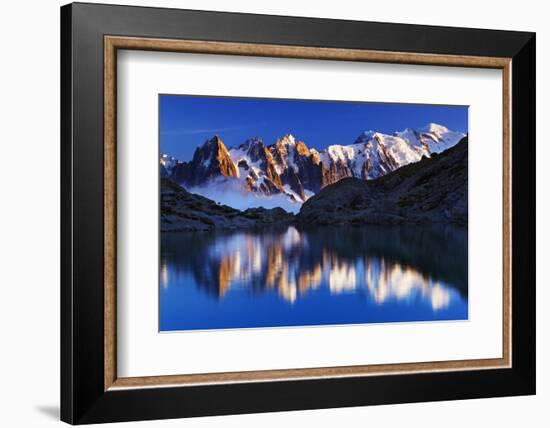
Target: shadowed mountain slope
<point x="433" y="190"/>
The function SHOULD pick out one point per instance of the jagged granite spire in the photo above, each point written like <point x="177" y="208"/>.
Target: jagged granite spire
<point x="210" y="160"/>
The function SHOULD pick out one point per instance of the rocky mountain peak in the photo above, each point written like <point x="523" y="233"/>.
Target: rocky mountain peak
<point x="212" y="145"/>
<point x="254" y="148"/>
<point x="251" y="142"/>
<point x="286" y="140"/>
<point x="365" y="136"/>
<point x="215" y="139"/>
<point x="209" y="150"/>
<point x="209" y="161"/>
<point x="291" y="168"/>
<point x="434" y="128"/>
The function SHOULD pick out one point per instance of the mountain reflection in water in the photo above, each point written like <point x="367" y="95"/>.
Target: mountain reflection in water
<point x="322" y="276"/>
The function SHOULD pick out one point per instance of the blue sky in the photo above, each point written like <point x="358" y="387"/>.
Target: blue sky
<point x="188" y="121"/>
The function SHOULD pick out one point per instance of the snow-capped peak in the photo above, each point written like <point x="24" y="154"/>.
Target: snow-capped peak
<point x="367" y="135"/>
<point x="288" y="140"/>
<point x="434" y="128"/>
<point x="370" y="136"/>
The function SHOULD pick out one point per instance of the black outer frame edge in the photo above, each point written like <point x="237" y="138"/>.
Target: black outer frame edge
<point x="142" y="21"/>
<point x="524" y="213"/>
<point x="66" y="304"/>
<point x="83" y="398"/>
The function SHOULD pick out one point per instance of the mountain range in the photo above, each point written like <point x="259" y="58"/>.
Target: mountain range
<point x="291" y="169"/>
<point x="433" y="190"/>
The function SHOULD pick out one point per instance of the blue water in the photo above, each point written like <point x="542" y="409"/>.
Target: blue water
<point x="322" y="276"/>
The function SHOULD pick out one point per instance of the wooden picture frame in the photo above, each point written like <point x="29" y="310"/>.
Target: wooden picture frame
<point x="91" y="390"/>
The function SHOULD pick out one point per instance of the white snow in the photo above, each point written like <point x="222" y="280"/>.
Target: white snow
<point x="400" y="149"/>
<point x="434" y="128"/>
<point x="238" y="155"/>
<point x="344" y="153"/>
<point x="438" y="142"/>
<point x="403" y="147"/>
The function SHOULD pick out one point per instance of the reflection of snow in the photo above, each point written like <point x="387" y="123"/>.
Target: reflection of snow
<point x="440" y="297"/>
<point x="281" y="261"/>
<point x="290" y="238"/>
<point x="164" y="275"/>
<point x="341" y="278"/>
<point x="387" y="281"/>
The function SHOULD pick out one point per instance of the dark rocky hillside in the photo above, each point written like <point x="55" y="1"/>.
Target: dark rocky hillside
<point x="433" y="190"/>
<point x="184" y="211"/>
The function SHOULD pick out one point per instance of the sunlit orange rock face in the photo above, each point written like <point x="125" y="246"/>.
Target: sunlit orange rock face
<point x="209" y="161"/>
<point x="224" y="164"/>
<point x="227" y="267"/>
<point x="275" y="265"/>
<point x="310" y="279"/>
<point x="270" y="170"/>
<point x="334" y="173"/>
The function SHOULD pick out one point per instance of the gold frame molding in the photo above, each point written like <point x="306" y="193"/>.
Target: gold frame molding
<point x="113" y="43"/>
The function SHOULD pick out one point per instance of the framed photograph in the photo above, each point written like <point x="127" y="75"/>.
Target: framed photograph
<point x="266" y="213"/>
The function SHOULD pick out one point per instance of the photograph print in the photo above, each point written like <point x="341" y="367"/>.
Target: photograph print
<point x="287" y="213"/>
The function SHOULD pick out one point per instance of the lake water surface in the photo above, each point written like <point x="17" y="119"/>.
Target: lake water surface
<point x="323" y="276"/>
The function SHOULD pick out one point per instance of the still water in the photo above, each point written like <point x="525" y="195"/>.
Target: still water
<point x="291" y="277"/>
